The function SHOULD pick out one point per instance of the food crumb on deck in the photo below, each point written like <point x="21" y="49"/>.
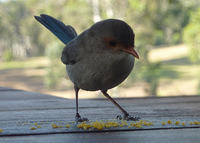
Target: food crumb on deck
<point x="169" y="122"/>
<point x="67" y="125"/>
<point x="33" y="128"/>
<point x="177" y="123"/>
<point x="1" y="130"/>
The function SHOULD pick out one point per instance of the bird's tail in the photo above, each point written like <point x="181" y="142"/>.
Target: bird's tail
<point x="64" y="32"/>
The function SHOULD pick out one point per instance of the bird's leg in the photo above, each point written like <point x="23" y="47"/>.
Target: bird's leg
<point x="126" y="115"/>
<point x="78" y="117"/>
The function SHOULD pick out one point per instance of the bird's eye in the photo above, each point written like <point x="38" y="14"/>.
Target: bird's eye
<point x="112" y="43"/>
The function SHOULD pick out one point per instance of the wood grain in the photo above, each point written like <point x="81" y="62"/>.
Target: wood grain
<point x="19" y="110"/>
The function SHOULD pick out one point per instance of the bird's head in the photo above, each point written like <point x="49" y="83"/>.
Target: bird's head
<point x="116" y="36"/>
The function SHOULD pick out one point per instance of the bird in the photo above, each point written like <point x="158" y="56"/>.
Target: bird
<point x="98" y="59"/>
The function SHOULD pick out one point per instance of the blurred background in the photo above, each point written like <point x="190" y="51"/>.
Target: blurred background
<point x="167" y="40"/>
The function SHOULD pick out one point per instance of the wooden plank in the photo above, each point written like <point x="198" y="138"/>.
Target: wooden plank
<point x="7" y="89"/>
<point x="10" y="99"/>
<point x="153" y="136"/>
<point x="46" y="108"/>
<point x="20" y="109"/>
<point x="20" y="121"/>
<point x="22" y="95"/>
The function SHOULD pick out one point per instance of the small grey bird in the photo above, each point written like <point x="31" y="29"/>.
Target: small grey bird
<point x="100" y="58"/>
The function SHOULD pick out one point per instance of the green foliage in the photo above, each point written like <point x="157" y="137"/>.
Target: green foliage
<point x="31" y="63"/>
<point x="7" y="55"/>
<point x="54" y="50"/>
<point x="55" y="70"/>
<point x="192" y="36"/>
<point x="151" y="74"/>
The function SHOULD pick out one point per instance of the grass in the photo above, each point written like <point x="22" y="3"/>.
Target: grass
<point x="35" y="62"/>
<point x="175" y="59"/>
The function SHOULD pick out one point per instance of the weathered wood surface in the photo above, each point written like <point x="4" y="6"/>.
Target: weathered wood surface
<point x="20" y="109"/>
<point x="154" y="136"/>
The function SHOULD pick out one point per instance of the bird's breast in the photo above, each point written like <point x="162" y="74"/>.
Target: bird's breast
<point x="100" y="71"/>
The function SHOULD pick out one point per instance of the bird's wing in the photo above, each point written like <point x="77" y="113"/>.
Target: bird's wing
<point x="64" y="32"/>
<point x="70" y="54"/>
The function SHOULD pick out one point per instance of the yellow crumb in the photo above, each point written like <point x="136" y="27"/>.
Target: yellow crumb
<point x="1" y="130"/>
<point x="133" y="124"/>
<point x="141" y="121"/>
<point x="177" y="123"/>
<point x="38" y="126"/>
<point x="183" y="124"/>
<point x="101" y="125"/>
<point x="124" y="123"/>
<point x="56" y="126"/>
<point x="163" y="123"/>
<point x="110" y="124"/>
<point x="169" y="122"/>
<point x="196" y="123"/>
<point x="67" y="126"/>
<point x="33" y="128"/>
<point x="150" y="124"/>
<point x="138" y="126"/>
<point x="98" y="125"/>
<point x="84" y="126"/>
<point x="145" y="123"/>
<point x="191" y="123"/>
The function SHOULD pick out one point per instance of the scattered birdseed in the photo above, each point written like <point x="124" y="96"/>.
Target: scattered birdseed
<point x="53" y="125"/>
<point x="33" y="128"/>
<point x="146" y="124"/>
<point x="1" y="130"/>
<point x="67" y="125"/>
<point x="98" y="125"/>
<point x="177" y="123"/>
<point x="191" y="123"/>
<point x="123" y="123"/>
<point x="196" y="123"/>
<point x="111" y="124"/>
<point x="169" y="122"/>
<point x="138" y="126"/>
<point x="132" y="124"/>
<point x="84" y="125"/>
<point x="163" y="123"/>
<point x="101" y="125"/>
<point x="150" y="124"/>
<point x="107" y="124"/>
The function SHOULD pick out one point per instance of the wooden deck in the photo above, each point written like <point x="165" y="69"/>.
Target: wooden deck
<point x="21" y="110"/>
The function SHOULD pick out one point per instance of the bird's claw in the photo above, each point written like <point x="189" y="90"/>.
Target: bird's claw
<point x="119" y="117"/>
<point x="131" y="118"/>
<point x="128" y="118"/>
<point x="78" y="118"/>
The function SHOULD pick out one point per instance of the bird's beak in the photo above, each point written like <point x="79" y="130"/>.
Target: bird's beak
<point x="131" y="50"/>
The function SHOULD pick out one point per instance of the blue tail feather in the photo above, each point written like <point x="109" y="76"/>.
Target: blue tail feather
<point x="64" y="32"/>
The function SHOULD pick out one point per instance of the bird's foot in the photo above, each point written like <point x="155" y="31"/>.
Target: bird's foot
<point x="78" y="118"/>
<point x="128" y="117"/>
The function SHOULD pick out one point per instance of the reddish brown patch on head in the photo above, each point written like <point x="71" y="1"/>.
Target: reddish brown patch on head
<point x="112" y="43"/>
<point x="124" y="47"/>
